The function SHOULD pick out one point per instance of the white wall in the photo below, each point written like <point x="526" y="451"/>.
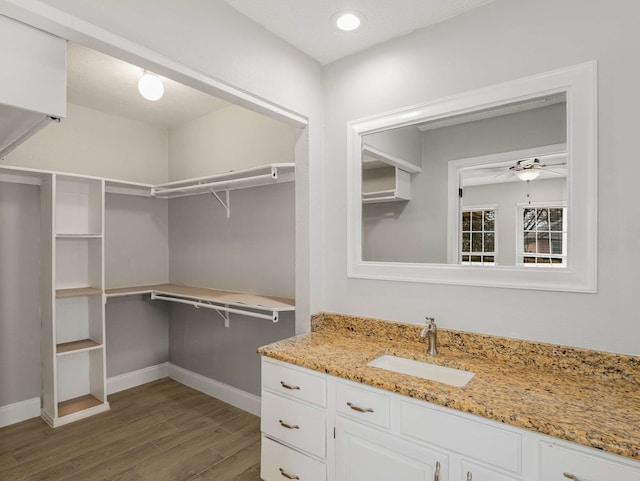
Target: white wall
<point x="502" y="41"/>
<point x="231" y="138"/>
<point x="405" y="143"/>
<point x="94" y="143"/>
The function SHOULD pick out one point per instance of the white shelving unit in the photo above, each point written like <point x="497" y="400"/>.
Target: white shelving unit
<point x="74" y="364"/>
<point x="385" y="178"/>
<point x="72" y="281"/>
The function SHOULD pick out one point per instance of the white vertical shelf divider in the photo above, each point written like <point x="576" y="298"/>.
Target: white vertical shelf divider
<point x="74" y="369"/>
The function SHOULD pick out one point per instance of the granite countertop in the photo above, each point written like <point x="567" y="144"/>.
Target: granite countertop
<point x="587" y="397"/>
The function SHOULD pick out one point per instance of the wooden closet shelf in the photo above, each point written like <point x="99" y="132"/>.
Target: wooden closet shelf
<point x="73" y="346"/>
<point x="208" y="294"/>
<point x="78" y="291"/>
<point x="77" y="404"/>
<point x="226" y="301"/>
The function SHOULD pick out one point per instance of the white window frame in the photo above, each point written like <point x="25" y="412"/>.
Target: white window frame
<point x="520" y="254"/>
<point x="475" y="208"/>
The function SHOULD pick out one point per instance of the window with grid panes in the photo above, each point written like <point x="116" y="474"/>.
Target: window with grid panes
<point x="478" y="236"/>
<point x="543" y="239"/>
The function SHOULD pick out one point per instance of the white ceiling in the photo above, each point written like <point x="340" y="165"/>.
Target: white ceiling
<point x="104" y="83"/>
<point x="307" y="23"/>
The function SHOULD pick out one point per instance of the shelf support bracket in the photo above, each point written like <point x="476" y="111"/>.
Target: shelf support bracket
<point x="224" y="315"/>
<point x="225" y="203"/>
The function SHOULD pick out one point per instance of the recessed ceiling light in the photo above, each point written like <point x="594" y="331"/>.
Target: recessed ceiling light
<point x="348" y="21"/>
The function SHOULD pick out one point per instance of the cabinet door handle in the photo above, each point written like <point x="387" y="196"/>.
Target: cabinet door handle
<point x="571" y="476"/>
<point x="287" y="475"/>
<point x="469" y="476"/>
<point x="289" y="386"/>
<point x="436" y="476"/>
<point x="287" y="425"/>
<point x="359" y="409"/>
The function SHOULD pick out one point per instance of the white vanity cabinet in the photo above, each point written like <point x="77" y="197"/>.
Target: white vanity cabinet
<point x="376" y="435"/>
<point x="366" y="447"/>
<point x="293" y="423"/>
<point x="563" y="463"/>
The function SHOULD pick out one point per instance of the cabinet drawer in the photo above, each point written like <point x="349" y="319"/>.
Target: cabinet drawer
<point x="473" y="472"/>
<point x="294" y="383"/>
<point x="363" y="404"/>
<point x="294" y="423"/>
<point x="557" y="460"/>
<point x="492" y="445"/>
<point x="280" y="463"/>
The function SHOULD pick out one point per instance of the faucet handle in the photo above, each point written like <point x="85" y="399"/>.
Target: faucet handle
<point x="430" y="320"/>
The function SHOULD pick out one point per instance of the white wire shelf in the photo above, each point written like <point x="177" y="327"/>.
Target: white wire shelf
<point x="232" y="180"/>
<point x="224" y="302"/>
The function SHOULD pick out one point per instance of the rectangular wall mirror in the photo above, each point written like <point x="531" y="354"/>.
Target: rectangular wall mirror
<point x="495" y="187"/>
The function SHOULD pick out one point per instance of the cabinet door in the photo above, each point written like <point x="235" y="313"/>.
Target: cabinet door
<point x="366" y="454"/>
<point x="473" y="472"/>
<point x="558" y="463"/>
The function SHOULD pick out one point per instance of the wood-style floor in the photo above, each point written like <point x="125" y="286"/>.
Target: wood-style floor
<point x="161" y="431"/>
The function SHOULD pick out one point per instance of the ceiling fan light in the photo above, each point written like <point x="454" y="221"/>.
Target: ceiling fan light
<point x="527" y="174"/>
<point x="150" y="86"/>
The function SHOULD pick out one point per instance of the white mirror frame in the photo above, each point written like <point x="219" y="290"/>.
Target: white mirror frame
<point x="580" y="275"/>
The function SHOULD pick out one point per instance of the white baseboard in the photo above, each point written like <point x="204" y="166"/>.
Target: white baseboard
<point x="136" y="378"/>
<point x="20" y="411"/>
<point x="229" y="394"/>
<point x="30" y="408"/>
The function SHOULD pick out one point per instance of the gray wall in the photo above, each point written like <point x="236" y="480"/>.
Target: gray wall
<point x="499" y="42"/>
<point x="252" y="251"/>
<point x="137" y="331"/>
<point x="201" y="343"/>
<point x="19" y="292"/>
<point x="136" y="253"/>
<point x="136" y="240"/>
<point x="421" y="223"/>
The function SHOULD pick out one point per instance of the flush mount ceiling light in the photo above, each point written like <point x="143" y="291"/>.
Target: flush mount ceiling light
<point x="348" y="21"/>
<point x="150" y="86"/>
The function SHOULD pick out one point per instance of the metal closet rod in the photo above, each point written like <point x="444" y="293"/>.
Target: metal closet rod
<point x="273" y="317"/>
<point x="206" y="187"/>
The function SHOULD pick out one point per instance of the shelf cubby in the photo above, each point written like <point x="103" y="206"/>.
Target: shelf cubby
<point x="78" y="205"/>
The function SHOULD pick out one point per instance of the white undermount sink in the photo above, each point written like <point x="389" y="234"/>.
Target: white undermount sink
<point x="424" y="370"/>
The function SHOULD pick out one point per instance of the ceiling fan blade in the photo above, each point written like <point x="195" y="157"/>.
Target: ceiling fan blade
<point x="554" y="172"/>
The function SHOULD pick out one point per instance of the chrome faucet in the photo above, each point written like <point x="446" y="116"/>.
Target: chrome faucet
<point x="430" y="331"/>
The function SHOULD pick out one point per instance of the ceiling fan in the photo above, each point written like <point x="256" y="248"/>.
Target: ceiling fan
<point x="526" y="169"/>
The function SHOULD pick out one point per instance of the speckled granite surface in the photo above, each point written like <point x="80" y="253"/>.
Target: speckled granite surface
<point x="588" y="397"/>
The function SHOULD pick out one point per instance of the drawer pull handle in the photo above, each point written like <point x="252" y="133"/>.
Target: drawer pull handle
<point x="359" y="409"/>
<point x="571" y="476"/>
<point x="287" y="475"/>
<point x="469" y="476"/>
<point x="287" y="425"/>
<point x="436" y="476"/>
<point x="289" y="386"/>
